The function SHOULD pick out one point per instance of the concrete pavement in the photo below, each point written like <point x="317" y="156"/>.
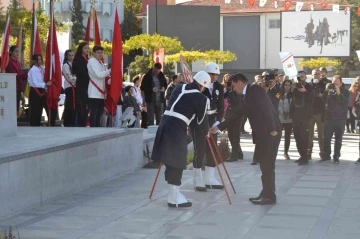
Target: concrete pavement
<point x="314" y="202"/>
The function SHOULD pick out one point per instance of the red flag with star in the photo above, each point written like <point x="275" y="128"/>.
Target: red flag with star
<point x="251" y="3"/>
<point x="53" y="68"/>
<point x="114" y="89"/>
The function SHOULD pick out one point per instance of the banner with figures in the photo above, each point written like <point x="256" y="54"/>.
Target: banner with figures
<point x="186" y="70"/>
<point x="288" y="62"/>
<point x="358" y="54"/>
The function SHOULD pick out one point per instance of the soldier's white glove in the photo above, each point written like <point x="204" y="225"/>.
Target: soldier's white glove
<point x="216" y="123"/>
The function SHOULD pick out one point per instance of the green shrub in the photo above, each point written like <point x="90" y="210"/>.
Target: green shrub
<point x="190" y="157"/>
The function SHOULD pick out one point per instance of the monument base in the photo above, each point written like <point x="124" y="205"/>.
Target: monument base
<point x="40" y="164"/>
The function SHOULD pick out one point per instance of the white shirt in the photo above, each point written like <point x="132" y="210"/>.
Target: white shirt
<point x="97" y="73"/>
<point x="36" y="77"/>
<point x="211" y="87"/>
<point x="244" y="90"/>
<point x="137" y="95"/>
<point x="68" y="76"/>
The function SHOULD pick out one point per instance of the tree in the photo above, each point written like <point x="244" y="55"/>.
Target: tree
<point x="211" y="55"/>
<point x="77" y="18"/>
<point x="189" y="56"/>
<point x="351" y="63"/>
<point x="133" y="5"/>
<point x="220" y="57"/>
<point x="131" y="26"/>
<point x="14" y="4"/>
<point x="21" y="17"/>
<point x="313" y="63"/>
<point x="139" y="65"/>
<point x="39" y="10"/>
<point x="152" y="43"/>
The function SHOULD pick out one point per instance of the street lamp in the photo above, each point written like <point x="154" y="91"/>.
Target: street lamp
<point x="156" y="16"/>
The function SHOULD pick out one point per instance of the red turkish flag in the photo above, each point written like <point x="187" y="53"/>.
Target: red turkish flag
<point x="53" y="68"/>
<point x="287" y="5"/>
<point x="114" y="89"/>
<point x="88" y="27"/>
<point x="251" y="3"/>
<point x="36" y="47"/>
<point x="359" y="11"/>
<point x="323" y="5"/>
<point x="5" y="45"/>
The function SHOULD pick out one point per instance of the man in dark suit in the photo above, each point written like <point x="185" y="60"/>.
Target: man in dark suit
<point x="266" y="132"/>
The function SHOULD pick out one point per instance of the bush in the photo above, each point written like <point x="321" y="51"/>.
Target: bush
<point x="190" y="157"/>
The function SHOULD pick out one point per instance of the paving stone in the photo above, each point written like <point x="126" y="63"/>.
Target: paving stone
<point x="318" y="201"/>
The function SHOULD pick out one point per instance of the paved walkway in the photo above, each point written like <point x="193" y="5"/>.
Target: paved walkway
<point x="314" y="202"/>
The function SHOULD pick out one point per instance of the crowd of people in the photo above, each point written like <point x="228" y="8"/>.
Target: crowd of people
<point x="272" y="104"/>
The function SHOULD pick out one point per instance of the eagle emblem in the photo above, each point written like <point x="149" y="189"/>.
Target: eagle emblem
<point x="278" y="95"/>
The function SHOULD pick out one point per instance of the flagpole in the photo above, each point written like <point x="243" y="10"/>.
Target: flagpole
<point x="92" y="11"/>
<point x="51" y="49"/>
<point x="33" y="31"/>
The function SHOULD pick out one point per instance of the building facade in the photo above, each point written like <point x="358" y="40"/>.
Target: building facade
<point x="252" y="33"/>
<point x="105" y="10"/>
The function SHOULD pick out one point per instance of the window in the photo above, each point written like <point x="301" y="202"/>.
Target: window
<point x="274" y="23"/>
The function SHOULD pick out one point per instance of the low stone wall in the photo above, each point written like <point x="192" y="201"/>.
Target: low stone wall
<point x="58" y="161"/>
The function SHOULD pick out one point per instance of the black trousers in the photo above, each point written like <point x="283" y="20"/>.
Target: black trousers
<point x="243" y="122"/>
<point x="82" y="106"/>
<point x="199" y="146"/>
<point x="18" y="97"/>
<point x="155" y="111"/>
<point x="96" y="107"/>
<point x="301" y="134"/>
<point x="173" y="175"/>
<point x="210" y="162"/>
<point x="332" y="127"/>
<point x="288" y="129"/>
<point x="69" y="111"/>
<point x="144" y="120"/>
<point x="267" y="153"/>
<point x="37" y="104"/>
<point x="256" y="156"/>
<point x="234" y="138"/>
<point x="53" y="116"/>
<point x="350" y="121"/>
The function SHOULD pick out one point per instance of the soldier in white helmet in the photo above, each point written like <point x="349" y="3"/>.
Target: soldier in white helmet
<point x="215" y="93"/>
<point x="187" y="105"/>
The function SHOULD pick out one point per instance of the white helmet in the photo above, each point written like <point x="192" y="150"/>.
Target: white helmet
<point x="203" y="78"/>
<point x="212" y="67"/>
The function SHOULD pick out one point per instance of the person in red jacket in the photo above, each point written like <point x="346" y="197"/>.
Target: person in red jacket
<point x="14" y="66"/>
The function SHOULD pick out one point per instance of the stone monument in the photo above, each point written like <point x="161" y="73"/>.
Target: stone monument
<point x="8" y="119"/>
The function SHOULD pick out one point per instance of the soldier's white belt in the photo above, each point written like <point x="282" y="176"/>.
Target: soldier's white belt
<point x="177" y="115"/>
<point x="211" y="112"/>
